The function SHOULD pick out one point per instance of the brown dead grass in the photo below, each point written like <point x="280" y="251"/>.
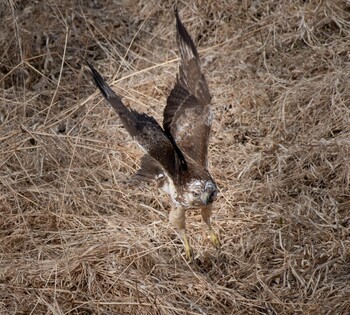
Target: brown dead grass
<point x="77" y="237"/>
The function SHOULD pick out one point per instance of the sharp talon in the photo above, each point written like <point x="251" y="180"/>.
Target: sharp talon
<point x="189" y="253"/>
<point x="215" y="240"/>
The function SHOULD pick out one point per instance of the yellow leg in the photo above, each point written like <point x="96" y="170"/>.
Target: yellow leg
<point x="177" y="219"/>
<point x="215" y="239"/>
<point x="188" y="248"/>
<point x="206" y="213"/>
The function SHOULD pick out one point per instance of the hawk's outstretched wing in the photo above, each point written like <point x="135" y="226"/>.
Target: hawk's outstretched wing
<point x="145" y="130"/>
<point x="187" y="115"/>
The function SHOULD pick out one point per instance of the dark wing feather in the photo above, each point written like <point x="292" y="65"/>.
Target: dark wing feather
<point x="187" y="115"/>
<point x="150" y="169"/>
<point x="145" y="130"/>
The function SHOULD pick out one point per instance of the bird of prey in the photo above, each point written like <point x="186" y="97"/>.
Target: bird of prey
<point x="176" y="155"/>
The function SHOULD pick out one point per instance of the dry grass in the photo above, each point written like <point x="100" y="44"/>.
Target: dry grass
<point x="78" y="237"/>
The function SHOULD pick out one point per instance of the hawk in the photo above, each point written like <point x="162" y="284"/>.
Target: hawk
<point x="176" y="155"/>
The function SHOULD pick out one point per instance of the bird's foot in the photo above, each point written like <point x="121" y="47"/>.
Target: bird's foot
<point x="188" y="250"/>
<point x="189" y="253"/>
<point x="215" y="240"/>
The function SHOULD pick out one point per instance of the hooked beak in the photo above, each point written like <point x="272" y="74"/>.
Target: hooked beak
<point x="206" y="197"/>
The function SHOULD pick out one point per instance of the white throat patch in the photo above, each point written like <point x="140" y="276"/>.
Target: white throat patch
<point x="168" y="187"/>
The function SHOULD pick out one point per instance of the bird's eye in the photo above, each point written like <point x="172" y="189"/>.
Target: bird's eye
<point x="196" y="194"/>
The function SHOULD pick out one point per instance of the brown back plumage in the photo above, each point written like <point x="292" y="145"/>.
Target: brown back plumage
<point x="187" y="116"/>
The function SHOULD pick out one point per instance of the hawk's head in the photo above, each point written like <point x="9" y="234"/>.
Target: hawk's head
<point x="199" y="193"/>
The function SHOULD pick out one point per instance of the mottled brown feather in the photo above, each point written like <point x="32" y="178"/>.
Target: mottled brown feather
<point x="187" y="115"/>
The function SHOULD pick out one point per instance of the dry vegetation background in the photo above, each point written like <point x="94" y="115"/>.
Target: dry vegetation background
<point x="77" y="236"/>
